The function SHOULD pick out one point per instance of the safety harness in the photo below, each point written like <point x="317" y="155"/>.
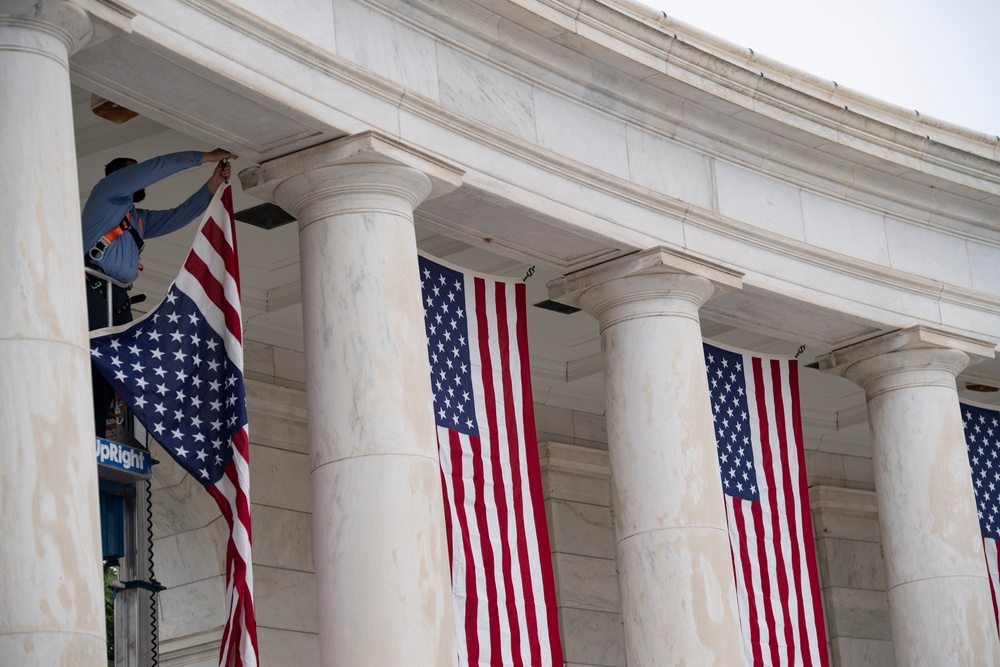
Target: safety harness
<point x="97" y="252"/>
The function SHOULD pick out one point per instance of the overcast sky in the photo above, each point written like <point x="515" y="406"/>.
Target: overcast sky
<point x="936" y="56"/>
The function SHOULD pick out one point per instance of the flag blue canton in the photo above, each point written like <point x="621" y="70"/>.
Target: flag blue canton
<point x="982" y="435"/>
<point x="186" y="390"/>
<point x="446" y="324"/>
<point x="731" y="418"/>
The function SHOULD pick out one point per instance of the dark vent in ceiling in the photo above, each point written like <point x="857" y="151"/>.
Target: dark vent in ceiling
<point x="557" y="307"/>
<point x="265" y="216"/>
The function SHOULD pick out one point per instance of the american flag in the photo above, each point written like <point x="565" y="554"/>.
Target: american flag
<point x="758" y="431"/>
<point x="504" y="592"/>
<point x="982" y="436"/>
<point x="180" y="369"/>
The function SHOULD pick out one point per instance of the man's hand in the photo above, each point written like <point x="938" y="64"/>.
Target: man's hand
<point x="221" y="174"/>
<point x="222" y="170"/>
<point x="217" y="155"/>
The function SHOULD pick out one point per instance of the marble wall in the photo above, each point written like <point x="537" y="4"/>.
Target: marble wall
<point x="274" y="365"/>
<point x="576" y="482"/>
<point x="844" y="470"/>
<point x="852" y="577"/>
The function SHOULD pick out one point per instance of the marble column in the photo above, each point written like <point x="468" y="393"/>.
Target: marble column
<point x="939" y="596"/>
<point x="384" y="585"/>
<point x="676" y="572"/>
<point x="51" y="601"/>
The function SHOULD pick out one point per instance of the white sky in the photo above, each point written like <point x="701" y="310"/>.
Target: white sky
<point x="939" y="57"/>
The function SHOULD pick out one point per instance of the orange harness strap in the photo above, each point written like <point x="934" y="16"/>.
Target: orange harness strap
<point x="97" y="252"/>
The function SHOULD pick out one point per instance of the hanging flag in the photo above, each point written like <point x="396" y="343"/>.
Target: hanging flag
<point x="982" y="437"/>
<point x="180" y="369"/>
<point x="758" y="431"/>
<point x="501" y="568"/>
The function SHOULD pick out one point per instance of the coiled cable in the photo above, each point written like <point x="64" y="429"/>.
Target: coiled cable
<point x="154" y="640"/>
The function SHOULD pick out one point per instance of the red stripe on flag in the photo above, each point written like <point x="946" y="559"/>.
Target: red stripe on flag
<point x="241" y="609"/>
<point x="447" y="511"/>
<point x="992" y="555"/>
<point x="241" y="444"/>
<point x="216" y="293"/>
<point x="489" y="396"/>
<point x="234" y="266"/>
<point x="815" y="634"/>
<point x="236" y="510"/>
<point x="793" y="510"/>
<point x="782" y="534"/>
<point x="513" y="510"/>
<point x="216" y="237"/>
<point x="766" y="598"/>
<point x="471" y="592"/>
<point x="500" y="482"/>
<point x="762" y="535"/>
<point x="753" y="604"/>
<point x="534" y="486"/>
<point x="517" y="455"/>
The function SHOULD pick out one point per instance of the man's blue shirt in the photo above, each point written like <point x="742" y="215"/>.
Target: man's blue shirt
<point x="111" y="200"/>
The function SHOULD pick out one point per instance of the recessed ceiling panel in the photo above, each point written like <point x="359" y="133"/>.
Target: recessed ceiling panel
<point x="144" y="81"/>
<point x="789" y="319"/>
<point x="482" y="220"/>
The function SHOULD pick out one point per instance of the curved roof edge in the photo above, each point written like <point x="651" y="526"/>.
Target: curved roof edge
<point x="910" y="120"/>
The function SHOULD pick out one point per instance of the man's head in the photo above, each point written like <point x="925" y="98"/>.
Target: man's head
<point x="121" y="163"/>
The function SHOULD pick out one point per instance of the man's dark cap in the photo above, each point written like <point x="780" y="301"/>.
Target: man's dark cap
<point x="117" y="164"/>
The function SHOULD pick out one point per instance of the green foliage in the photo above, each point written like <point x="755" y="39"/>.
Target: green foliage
<point x="110" y="574"/>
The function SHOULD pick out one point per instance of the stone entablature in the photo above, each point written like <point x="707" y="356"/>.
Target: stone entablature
<point x="690" y="145"/>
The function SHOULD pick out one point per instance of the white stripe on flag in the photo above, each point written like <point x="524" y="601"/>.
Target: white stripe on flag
<point x="759" y="583"/>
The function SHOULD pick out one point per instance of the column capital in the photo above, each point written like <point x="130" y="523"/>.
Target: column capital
<point x="643" y="280"/>
<point x="370" y="149"/>
<point x="922" y="349"/>
<point x="57" y="18"/>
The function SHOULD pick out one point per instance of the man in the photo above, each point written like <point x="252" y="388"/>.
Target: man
<point x="113" y="233"/>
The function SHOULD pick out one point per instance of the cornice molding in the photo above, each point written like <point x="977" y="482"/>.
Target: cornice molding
<point x="822" y="118"/>
<point x="644" y="21"/>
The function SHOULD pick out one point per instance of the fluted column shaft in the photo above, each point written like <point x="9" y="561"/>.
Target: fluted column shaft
<point x="675" y="567"/>
<point x="378" y="522"/>
<point x="51" y="601"/>
<point x="939" y="596"/>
